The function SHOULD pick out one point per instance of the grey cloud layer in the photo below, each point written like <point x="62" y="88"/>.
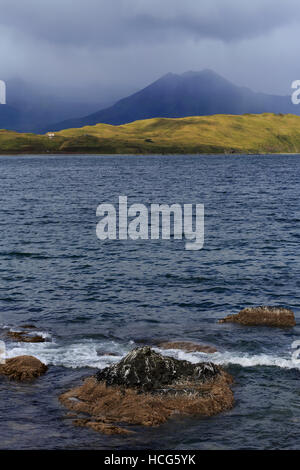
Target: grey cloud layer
<point x="106" y="41"/>
<point x="119" y="22"/>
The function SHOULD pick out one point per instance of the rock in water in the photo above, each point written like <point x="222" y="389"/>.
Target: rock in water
<point x="22" y="337"/>
<point x="146" y="388"/>
<point x="23" y="368"/>
<point x="147" y="370"/>
<point x="187" y="346"/>
<point x="263" y="316"/>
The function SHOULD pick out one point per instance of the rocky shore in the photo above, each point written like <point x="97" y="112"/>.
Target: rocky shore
<point x="146" y="388"/>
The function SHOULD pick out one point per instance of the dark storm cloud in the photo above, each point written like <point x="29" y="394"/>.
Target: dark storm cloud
<point x="223" y="20"/>
<point x="120" y="22"/>
<point x="119" y="45"/>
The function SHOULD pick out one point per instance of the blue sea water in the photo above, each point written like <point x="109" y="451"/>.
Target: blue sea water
<point x="91" y="298"/>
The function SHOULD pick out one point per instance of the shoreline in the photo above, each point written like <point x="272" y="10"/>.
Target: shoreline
<point x="267" y="154"/>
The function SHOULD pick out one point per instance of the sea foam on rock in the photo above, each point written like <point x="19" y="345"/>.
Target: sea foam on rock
<point x="146" y="388"/>
<point x="263" y="316"/>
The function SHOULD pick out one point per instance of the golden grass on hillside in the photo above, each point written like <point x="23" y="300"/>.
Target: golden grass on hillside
<point x="249" y="133"/>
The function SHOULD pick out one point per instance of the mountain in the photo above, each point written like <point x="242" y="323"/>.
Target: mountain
<point x="190" y="94"/>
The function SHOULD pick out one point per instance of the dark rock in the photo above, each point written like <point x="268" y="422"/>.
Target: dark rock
<point x="145" y="369"/>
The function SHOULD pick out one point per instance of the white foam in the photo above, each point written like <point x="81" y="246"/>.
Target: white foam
<point x="232" y="358"/>
<point x="95" y="354"/>
<point x="86" y="353"/>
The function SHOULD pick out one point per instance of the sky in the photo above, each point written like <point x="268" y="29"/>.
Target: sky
<point x="106" y="49"/>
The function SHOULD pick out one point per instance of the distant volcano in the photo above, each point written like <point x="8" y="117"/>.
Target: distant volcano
<point x="190" y="94"/>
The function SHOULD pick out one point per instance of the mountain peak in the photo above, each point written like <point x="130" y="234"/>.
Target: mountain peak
<point x="169" y="75"/>
<point x="205" y="73"/>
<point x="192" y="73"/>
<point x="180" y="95"/>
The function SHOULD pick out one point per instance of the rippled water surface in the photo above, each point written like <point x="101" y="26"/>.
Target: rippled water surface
<point x="91" y="298"/>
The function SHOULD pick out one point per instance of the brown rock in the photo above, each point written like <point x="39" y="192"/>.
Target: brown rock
<point x="193" y="389"/>
<point x="187" y="346"/>
<point x="104" y="428"/>
<point x="263" y="316"/>
<point x="23" y="368"/>
<point x="23" y="337"/>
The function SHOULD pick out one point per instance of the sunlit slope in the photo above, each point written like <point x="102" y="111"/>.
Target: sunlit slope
<point x="263" y="133"/>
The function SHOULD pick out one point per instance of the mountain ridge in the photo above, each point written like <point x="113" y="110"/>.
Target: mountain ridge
<point x="182" y="95"/>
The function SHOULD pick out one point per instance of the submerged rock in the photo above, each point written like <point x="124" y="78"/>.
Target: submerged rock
<point x="146" y="388"/>
<point x="264" y="316"/>
<point x="187" y="346"/>
<point x="22" y="337"/>
<point x="23" y="368"/>
<point x="100" y="426"/>
<point x="103" y="352"/>
<point x="26" y="336"/>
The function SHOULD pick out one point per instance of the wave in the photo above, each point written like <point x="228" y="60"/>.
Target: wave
<point x="85" y="353"/>
<point x="242" y="359"/>
<point x="102" y="353"/>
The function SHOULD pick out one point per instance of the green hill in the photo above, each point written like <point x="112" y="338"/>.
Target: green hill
<point x="249" y="133"/>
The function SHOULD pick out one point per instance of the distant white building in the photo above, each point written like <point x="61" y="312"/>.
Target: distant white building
<point x="51" y="135"/>
<point x="2" y="92"/>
